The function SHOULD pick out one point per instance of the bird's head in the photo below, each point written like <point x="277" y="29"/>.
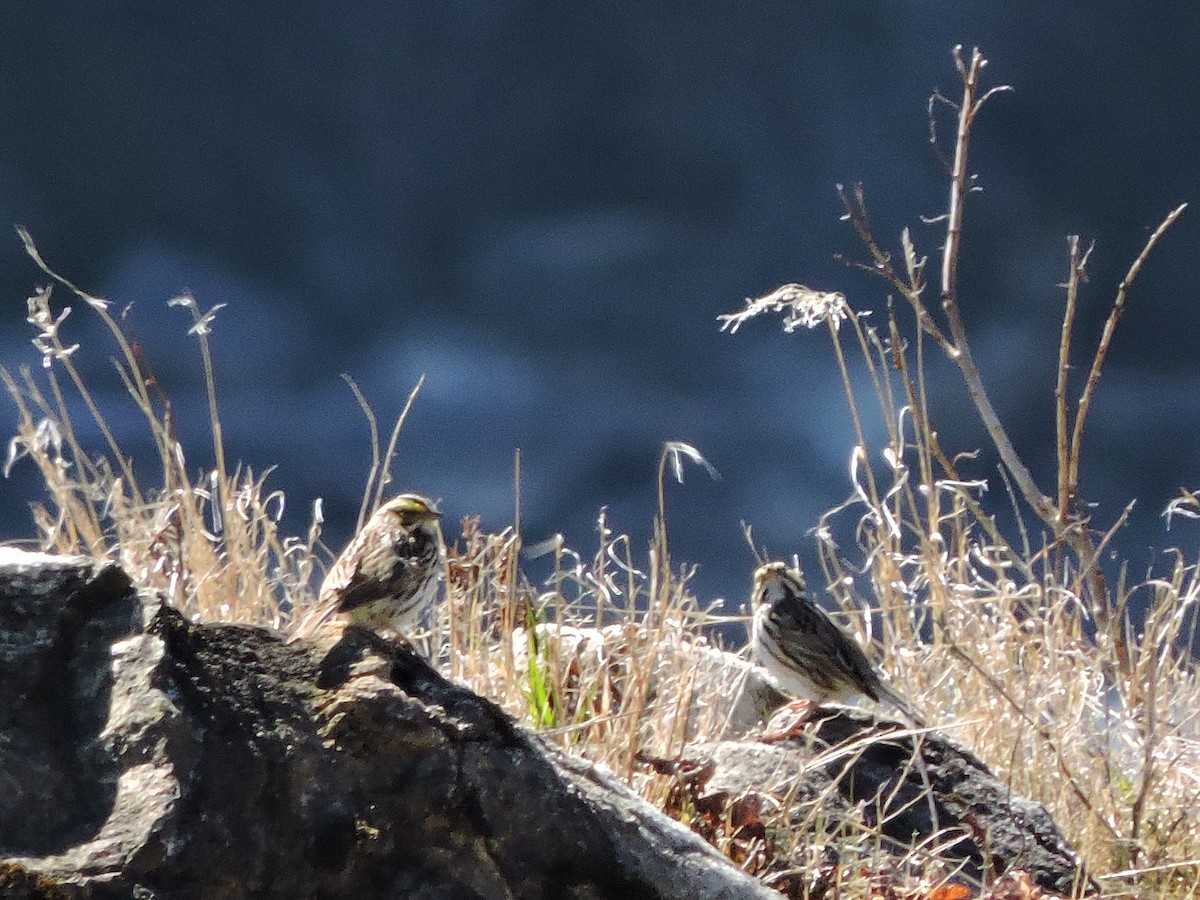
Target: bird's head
<point x="413" y="512"/>
<point x="773" y="582"/>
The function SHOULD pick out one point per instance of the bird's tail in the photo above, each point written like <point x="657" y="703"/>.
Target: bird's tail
<point x="887" y="693"/>
<point x="313" y="622"/>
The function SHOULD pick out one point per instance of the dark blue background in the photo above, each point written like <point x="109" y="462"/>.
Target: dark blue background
<point x="544" y="207"/>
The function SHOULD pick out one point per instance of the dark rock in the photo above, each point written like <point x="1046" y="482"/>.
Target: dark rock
<point x="215" y="761"/>
<point x="59" y="616"/>
<point x="870" y="773"/>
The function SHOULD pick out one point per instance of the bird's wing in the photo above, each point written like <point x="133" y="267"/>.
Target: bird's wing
<point x="359" y="575"/>
<point x="391" y="567"/>
<point x="806" y="630"/>
<point x="344" y="579"/>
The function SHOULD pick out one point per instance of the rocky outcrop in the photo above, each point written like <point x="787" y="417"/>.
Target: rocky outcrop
<point x="927" y="799"/>
<point x="913" y="789"/>
<point x="182" y="760"/>
<point x="176" y="760"/>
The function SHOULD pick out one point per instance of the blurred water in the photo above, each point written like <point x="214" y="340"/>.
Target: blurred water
<point x="543" y="209"/>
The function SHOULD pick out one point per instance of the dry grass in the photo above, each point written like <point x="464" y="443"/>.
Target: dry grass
<point x="1018" y="646"/>
<point x="996" y="644"/>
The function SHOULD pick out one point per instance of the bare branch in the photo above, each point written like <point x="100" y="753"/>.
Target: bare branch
<point x="935" y="98"/>
<point x="1042" y="504"/>
<point x="856" y="214"/>
<point x="1068" y="468"/>
<point x="1089" y="389"/>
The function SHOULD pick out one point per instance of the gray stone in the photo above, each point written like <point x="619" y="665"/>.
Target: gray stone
<point x="216" y="761"/>
<point x="850" y="767"/>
